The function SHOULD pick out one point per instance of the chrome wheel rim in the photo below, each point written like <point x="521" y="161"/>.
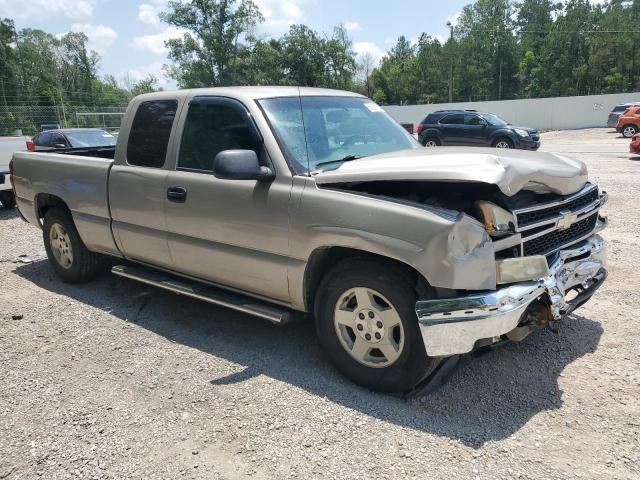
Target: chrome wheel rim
<point x="369" y="327"/>
<point x="629" y="132"/>
<point x="502" y="144"/>
<point x="61" y="246"/>
<point x="430" y="143"/>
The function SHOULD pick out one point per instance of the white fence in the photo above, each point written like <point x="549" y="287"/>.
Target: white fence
<point x="560" y="113"/>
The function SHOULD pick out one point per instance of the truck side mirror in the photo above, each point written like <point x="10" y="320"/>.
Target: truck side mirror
<point x="240" y="165"/>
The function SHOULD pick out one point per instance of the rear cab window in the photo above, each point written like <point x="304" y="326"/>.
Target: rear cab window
<point x="150" y="132"/>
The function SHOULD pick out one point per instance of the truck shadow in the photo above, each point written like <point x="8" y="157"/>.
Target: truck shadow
<point x="490" y="399"/>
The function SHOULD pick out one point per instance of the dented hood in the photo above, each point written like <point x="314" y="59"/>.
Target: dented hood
<point x="510" y="170"/>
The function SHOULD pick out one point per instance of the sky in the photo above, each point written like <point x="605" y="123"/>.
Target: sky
<point x="130" y="38"/>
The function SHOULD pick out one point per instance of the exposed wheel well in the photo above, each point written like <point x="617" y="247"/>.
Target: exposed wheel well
<point x="45" y="201"/>
<point x="323" y="259"/>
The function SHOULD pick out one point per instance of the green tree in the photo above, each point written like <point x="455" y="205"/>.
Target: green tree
<point x="208" y="51"/>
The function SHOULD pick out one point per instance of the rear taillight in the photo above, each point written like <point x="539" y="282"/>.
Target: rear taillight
<point x="31" y="146"/>
<point x="419" y="128"/>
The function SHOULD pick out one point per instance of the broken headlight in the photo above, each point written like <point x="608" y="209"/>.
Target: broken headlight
<point x="496" y="220"/>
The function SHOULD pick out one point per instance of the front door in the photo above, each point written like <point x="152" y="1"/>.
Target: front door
<point x="475" y="130"/>
<point x="230" y="232"/>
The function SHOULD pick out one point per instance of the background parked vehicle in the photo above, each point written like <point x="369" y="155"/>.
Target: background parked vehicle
<point x="72" y="138"/>
<point x="471" y="128"/>
<point x="629" y="122"/>
<point x="614" y="114"/>
<point x="8" y="146"/>
<point x="49" y="126"/>
<point x="634" y="146"/>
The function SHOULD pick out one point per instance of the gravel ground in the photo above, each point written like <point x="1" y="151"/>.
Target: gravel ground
<point x="117" y="380"/>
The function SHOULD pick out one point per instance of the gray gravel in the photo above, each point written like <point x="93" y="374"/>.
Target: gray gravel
<point x="117" y="380"/>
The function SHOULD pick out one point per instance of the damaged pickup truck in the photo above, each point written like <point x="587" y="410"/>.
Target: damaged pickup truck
<point x="276" y="200"/>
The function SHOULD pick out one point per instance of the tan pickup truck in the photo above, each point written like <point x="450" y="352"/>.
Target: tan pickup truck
<point x="274" y="200"/>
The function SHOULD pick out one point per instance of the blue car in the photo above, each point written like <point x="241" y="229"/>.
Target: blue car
<point x="472" y="128"/>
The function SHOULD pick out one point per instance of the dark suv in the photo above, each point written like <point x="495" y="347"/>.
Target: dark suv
<point x="468" y="127"/>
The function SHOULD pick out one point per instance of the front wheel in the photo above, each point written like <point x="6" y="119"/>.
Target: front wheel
<point x="8" y="199"/>
<point x="366" y="322"/>
<point x="629" y="131"/>
<point x="68" y="255"/>
<point x="503" y="143"/>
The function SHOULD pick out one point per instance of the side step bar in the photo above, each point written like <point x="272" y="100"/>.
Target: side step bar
<point x="207" y="293"/>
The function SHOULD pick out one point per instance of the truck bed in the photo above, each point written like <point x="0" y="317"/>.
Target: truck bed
<point x="81" y="182"/>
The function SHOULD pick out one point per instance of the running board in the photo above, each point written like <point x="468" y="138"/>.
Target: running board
<point x="207" y="293"/>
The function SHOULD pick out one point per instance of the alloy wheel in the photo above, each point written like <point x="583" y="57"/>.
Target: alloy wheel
<point x="369" y="327"/>
<point x="61" y="246"/>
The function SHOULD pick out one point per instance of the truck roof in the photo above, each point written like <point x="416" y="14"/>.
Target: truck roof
<point x="251" y="93"/>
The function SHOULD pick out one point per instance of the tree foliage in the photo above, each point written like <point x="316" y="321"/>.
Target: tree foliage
<point x="499" y="49"/>
<point x="505" y="49"/>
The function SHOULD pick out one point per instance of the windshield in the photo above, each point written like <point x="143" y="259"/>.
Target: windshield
<point x="320" y="133"/>
<point x="90" y="138"/>
<point x="494" y="120"/>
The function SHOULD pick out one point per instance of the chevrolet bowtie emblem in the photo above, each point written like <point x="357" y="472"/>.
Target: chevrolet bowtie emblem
<point x="566" y="220"/>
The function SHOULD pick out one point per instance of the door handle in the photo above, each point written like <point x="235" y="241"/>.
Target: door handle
<point x="177" y="194"/>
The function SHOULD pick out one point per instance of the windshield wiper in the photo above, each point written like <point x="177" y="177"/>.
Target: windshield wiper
<point x="348" y="158"/>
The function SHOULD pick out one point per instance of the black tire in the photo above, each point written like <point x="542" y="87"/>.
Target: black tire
<point x="431" y="142"/>
<point x="398" y="287"/>
<point x="506" y="141"/>
<point x="8" y="199"/>
<point x="85" y="265"/>
<point x="629" y="131"/>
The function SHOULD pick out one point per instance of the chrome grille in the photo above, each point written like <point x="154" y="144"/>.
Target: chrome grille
<point x="547" y="228"/>
<point x="536" y="216"/>
<point x="551" y="241"/>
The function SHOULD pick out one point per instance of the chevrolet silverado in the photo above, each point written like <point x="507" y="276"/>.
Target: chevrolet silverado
<point x="277" y="200"/>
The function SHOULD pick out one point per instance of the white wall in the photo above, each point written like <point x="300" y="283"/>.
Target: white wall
<point x="560" y="113"/>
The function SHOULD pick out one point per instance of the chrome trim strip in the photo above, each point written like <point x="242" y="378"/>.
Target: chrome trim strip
<point x="544" y="206"/>
<point x="507" y="242"/>
<point x="591" y="207"/>
<point x="554" y="228"/>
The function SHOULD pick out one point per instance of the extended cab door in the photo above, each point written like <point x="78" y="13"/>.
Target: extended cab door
<point x="137" y="183"/>
<point x="230" y="232"/>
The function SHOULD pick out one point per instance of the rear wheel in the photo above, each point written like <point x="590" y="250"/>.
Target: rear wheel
<point x="431" y="142"/>
<point x="629" y="131"/>
<point x="366" y="322"/>
<point x="68" y="255"/>
<point x="503" y="143"/>
<point x="8" y="199"/>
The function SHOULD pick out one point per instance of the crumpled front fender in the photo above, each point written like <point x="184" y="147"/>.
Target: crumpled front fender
<point x="461" y="256"/>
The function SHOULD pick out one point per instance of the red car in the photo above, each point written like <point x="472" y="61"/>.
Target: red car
<point x="634" y="147"/>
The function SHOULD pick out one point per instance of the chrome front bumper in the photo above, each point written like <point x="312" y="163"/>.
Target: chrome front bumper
<point x="451" y="326"/>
